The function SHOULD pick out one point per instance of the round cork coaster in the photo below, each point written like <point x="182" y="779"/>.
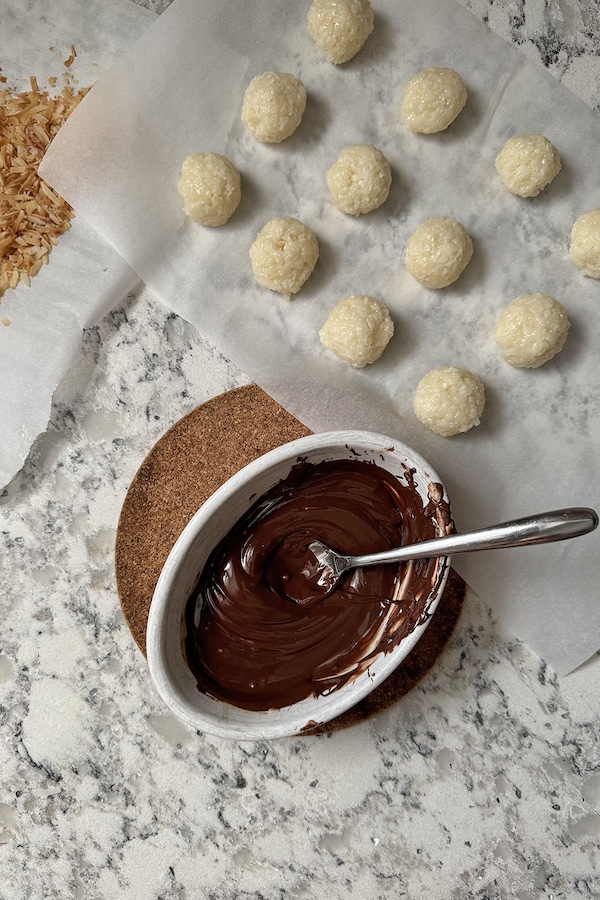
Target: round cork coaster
<point x="189" y="462"/>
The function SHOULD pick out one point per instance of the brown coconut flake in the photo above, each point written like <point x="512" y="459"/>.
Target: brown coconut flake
<point x="69" y="62"/>
<point x="32" y="215"/>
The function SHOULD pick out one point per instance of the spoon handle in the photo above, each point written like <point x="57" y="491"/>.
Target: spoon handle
<point x="556" y="525"/>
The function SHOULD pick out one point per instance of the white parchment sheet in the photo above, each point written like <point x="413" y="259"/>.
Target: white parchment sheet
<point x="85" y="277"/>
<point x="179" y="90"/>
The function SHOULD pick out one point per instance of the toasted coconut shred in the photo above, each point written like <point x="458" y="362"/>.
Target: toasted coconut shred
<point x="32" y="215"/>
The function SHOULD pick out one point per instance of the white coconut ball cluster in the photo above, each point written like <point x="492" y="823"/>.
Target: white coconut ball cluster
<point x="210" y="187"/>
<point x="273" y="106"/>
<point x="527" y="164"/>
<point x="584" y="248"/>
<point x="284" y="255"/>
<point x="438" y="251"/>
<point x="432" y="100"/>
<point x="357" y="330"/>
<point x="449" y="400"/>
<point x="340" y="27"/>
<point x="360" y="179"/>
<point x="531" y="330"/>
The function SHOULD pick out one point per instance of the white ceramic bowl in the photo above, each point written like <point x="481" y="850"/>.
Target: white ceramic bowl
<point x="166" y="658"/>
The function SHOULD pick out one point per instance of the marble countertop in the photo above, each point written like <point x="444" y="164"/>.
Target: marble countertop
<point x="482" y="782"/>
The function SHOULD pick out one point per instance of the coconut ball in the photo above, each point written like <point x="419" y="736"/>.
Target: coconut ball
<point x="360" y="179"/>
<point x="437" y="252"/>
<point x="273" y="106"/>
<point x="340" y="27"/>
<point x="283" y="255"/>
<point x="432" y="100"/>
<point x="585" y="243"/>
<point x="210" y="187"/>
<point x="357" y="330"/>
<point x="531" y="330"/>
<point x="449" y="400"/>
<point x="527" y="164"/>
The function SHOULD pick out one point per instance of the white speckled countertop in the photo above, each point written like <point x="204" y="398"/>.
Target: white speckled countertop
<point x="483" y="782"/>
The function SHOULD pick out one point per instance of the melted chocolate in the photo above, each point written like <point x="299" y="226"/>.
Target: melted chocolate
<point x="248" y="643"/>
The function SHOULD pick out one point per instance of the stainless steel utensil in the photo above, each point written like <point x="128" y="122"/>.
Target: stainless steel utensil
<point x="556" y="525"/>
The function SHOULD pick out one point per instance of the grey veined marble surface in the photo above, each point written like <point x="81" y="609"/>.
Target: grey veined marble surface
<point x="483" y="782"/>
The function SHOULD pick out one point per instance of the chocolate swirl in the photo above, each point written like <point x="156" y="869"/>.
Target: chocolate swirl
<point x="249" y="644"/>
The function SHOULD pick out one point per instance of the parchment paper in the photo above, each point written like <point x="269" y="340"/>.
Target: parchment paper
<point x="179" y="90"/>
<point x="85" y="277"/>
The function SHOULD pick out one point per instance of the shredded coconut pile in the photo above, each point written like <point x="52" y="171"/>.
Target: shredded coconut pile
<point x="32" y="215"/>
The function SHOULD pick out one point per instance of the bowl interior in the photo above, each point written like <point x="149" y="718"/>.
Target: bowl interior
<point x="165" y="634"/>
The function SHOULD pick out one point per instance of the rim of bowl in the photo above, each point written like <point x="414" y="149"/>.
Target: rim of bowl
<point x="290" y="720"/>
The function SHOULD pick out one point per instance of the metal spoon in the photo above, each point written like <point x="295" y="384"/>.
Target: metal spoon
<point x="542" y="528"/>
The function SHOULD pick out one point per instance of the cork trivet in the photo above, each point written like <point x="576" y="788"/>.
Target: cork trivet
<point x="190" y="461"/>
<point x="197" y="455"/>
